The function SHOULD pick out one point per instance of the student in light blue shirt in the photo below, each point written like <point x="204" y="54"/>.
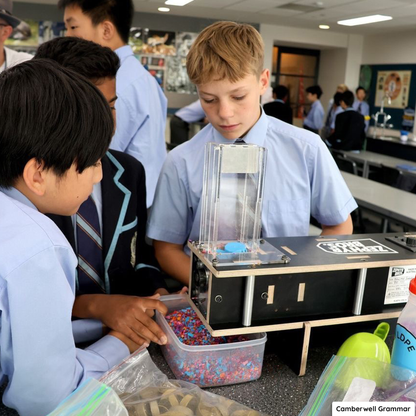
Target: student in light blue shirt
<point x="48" y="164"/>
<point x="180" y="121"/>
<point x="362" y="106"/>
<point x="301" y="179"/>
<point x="314" y="120"/>
<point x="141" y="104"/>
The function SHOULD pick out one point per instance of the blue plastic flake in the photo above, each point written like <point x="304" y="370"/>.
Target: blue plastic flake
<point x="235" y="247"/>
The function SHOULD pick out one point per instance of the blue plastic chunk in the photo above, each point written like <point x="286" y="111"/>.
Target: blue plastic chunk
<point x="235" y="247"/>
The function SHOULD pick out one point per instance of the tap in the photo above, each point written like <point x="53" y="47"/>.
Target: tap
<point x="386" y="117"/>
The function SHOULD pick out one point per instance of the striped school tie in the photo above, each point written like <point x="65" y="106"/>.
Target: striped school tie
<point x="90" y="256"/>
<point x="239" y="141"/>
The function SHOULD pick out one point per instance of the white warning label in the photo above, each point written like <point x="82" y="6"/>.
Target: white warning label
<point x="363" y="246"/>
<point x="397" y="290"/>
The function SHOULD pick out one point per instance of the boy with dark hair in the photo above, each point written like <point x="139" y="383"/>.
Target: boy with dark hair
<point x="349" y="131"/>
<point x="55" y="129"/>
<point x="125" y="263"/>
<point x="314" y="120"/>
<point x="362" y="106"/>
<point x="335" y="109"/>
<point x="141" y="104"/>
<point x="279" y="107"/>
<point x="226" y="64"/>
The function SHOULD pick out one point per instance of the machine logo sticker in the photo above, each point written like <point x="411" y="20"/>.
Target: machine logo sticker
<point x="364" y="246"/>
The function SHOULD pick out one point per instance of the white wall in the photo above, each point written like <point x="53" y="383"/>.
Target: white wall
<point x="332" y="68"/>
<point x="301" y="38"/>
<point x="341" y="54"/>
<point x="391" y="48"/>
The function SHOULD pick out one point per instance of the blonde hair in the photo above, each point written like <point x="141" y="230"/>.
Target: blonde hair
<point x="342" y="87"/>
<point x="225" y="50"/>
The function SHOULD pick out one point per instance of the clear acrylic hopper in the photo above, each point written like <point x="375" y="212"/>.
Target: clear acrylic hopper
<point x="232" y="197"/>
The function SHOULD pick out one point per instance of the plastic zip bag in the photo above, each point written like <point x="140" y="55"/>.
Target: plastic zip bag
<point x="146" y="391"/>
<point x="91" y="398"/>
<point x="359" y="379"/>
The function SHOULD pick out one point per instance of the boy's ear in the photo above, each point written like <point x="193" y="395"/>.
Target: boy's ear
<point x="34" y="176"/>
<point x="7" y="31"/>
<point x="264" y="81"/>
<point x="108" y="30"/>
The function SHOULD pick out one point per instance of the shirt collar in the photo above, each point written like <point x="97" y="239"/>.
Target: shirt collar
<point x="256" y="135"/>
<point x="278" y="100"/>
<point x="18" y="196"/>
<point x="124" y="52"/>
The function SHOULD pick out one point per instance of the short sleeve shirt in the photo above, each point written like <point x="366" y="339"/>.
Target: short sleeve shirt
<point x="301" y="179"/>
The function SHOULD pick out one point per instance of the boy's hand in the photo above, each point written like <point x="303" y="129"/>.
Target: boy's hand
<point x="132" y="346"/>
<point x="163" y="292"/>
<point x="131" y="316"/>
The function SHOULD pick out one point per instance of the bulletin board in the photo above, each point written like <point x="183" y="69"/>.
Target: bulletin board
<point x="400" y="80"/>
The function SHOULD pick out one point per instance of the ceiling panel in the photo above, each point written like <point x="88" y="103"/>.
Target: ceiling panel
<point x="371" y="6"/>
<point x="406" y="10"/>
<point x="203" y="3"/>
<point x="326" y="3"/>
<point x="325" y="14"/>
<point x="281" y="12"/>
<point x="256" y="6"/>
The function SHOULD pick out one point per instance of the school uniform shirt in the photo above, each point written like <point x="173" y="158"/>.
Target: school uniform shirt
<point x="337" y="111"/>
<point x="13" y="57"/>
<point x="191" y="113"/>
<point x="37" y="283"/>
<point x="141" y="117"/>
<point x="315" y="118"/>
<point x="363" y="108"/>
<point x="301" y="179"/>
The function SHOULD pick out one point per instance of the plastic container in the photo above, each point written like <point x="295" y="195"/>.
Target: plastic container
<point x="368" y="345"/>
<point x="404" y="135"/>
<point x="404" y="346"/>
<point x="206" y="365"/>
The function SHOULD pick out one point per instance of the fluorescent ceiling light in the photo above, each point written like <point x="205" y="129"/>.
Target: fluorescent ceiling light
<point x="364" y="20"/>
<point x="177" y="2"/>
<point x="325" y="27"/>
<point x="164" y="9"/>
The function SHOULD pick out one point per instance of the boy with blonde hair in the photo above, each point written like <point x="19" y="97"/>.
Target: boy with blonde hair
<point x="302" y="179"/>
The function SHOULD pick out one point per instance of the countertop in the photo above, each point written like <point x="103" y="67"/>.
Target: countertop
<point x="279" y="391"/>
<point x="391" y="139"/>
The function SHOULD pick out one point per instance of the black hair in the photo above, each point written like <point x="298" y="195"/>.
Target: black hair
<point x="119" y="12"/>
<point x="360" y="88"/>
<point x="337" y="98"/>
<point x="280" y="91"/>
<point x="51" y="114"/>
<point x="87" y="58"/>
<point x="315" y="89"/>
<point x="348" y="98"/>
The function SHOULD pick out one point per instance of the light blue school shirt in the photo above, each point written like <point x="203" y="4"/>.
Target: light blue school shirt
<point x="315" y="117"/>
<point x="301" y="179"/>
<point x="191" y="113"/>
<point x="141" y="117"/>
<point x="337" y="111"/>
<point x="363" y="108"/>
<point x="37" y="278"/>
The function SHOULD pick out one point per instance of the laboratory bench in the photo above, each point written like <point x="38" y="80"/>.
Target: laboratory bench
<point x="279" y="391"/>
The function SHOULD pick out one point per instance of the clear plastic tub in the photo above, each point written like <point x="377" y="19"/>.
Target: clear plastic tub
<point x="210" y="365"/>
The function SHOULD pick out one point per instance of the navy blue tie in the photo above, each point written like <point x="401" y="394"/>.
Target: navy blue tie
<point x="90" y="256"/>
<point x="240" y="141"/>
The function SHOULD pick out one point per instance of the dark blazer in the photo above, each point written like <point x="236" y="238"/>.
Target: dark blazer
<point x="279" y="110"/>
<point x="349" y="133"/>
<point x="126" y="255"/>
